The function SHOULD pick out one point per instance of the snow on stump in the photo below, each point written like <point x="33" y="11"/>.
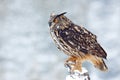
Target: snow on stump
<point x="77" y="75"/>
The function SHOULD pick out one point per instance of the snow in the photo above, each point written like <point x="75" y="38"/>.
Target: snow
<point x="27" y="51"/>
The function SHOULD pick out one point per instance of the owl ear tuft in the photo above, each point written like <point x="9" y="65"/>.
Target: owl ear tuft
<point x="61" y="14"/>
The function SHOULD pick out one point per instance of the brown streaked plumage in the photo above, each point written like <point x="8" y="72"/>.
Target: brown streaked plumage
<point x="77" y="42"/>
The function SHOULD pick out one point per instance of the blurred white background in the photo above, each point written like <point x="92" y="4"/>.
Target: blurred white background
<point x="27" y="51"/>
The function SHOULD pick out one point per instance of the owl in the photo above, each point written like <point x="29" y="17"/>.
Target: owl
<point x="77" y="42"/>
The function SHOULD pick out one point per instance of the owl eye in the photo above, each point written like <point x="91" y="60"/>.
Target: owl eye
<point x="55" y="21"/>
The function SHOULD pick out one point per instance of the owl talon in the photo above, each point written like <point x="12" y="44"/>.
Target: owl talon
<point x="66" y="65"/>
<point x="70" y="65"/>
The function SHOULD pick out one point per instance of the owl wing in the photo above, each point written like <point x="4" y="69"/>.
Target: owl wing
<point x="80" y="39"/>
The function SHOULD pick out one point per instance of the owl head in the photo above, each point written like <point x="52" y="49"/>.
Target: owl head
<point x="59" y="21"/>
<point x="54" y="19"/>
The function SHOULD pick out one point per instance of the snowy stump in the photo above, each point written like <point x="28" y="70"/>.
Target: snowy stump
<point x="77" y="75"/>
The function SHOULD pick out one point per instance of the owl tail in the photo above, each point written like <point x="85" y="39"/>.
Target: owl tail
<point x="100" y="64"/>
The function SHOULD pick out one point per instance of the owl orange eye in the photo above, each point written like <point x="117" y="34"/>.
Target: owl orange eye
<point x="55" y="21"/>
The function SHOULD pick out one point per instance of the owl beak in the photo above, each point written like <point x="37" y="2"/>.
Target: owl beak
<point x="50" y="23"/>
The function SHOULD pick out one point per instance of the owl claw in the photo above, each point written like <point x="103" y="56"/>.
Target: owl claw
<point x="70" y="65"/>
